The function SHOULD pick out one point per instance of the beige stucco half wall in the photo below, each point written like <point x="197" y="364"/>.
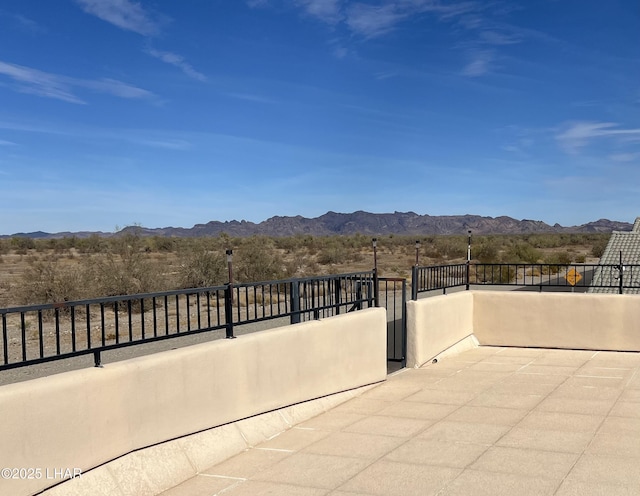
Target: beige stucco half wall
<point x="523" y="319"/>
<point x="86" y="418"/>
<point x="436" y="324"/>
<point x="557" y="320"/>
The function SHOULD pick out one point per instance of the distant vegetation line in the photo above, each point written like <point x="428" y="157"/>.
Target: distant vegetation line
<point x="34" y="271"/>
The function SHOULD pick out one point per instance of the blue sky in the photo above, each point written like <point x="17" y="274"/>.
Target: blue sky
<point x="165" y="113"/>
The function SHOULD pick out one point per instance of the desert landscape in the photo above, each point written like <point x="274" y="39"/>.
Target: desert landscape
<point x="36" y="271"/>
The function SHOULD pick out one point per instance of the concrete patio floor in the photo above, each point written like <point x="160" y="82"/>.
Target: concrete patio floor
<point x="489" y="421"/>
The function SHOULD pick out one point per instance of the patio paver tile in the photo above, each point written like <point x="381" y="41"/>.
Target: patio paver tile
<point x="528" y="462"/>
<point x="385" y="477"/>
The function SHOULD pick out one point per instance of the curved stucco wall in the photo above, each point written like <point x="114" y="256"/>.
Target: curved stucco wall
<point x="557" y="320"/>
<point x="88" y="417"/>
<point x="436" y="324"/>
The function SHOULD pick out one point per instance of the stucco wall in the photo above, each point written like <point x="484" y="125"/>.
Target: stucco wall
<point x="88" y="417"/>
<point x="525" y="319"/>
<point x="557" y="320"/>
<point x="436" y="324"/>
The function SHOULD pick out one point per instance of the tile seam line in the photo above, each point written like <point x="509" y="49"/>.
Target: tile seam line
<point x="582" y="453"/>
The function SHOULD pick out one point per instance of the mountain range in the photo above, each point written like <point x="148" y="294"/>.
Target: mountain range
<point x="332" y="223"/>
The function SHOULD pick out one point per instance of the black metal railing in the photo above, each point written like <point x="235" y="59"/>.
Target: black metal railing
<point x="41" y="333"/>
<point x="437" y="277"/>
<point x="621" y="278"/>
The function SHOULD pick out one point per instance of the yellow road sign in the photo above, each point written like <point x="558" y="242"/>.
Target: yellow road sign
<point x="573" y="277"/>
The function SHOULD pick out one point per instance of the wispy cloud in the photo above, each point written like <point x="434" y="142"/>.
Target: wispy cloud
<point x="145" y="137"/>
<point x="39" y="83"/>
<point x="7" y="143"/>
<point x="480" y="63"/>
<point x="49" y="85"/>
<point x="328" y="11"/>
<point x="169" y="144"/>
<point x="625" y="157"/>
<point x="251" y="97"/>
<point x="177" y="61"/>
<point x="131" y="16"/>
<point x="579" y="134"/>
<point x="371" y="21"/>
<point x="23" y="23"/>
<point x="125" y="14"/>
<point x="482" y="36"/>
<point x="114" y="87"/>
<point x="491" y="37"/>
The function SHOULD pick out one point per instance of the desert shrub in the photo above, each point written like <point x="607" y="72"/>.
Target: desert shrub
<point x="486" y="252"/>
<point x="597" y="250"/>
<point x="92" y="244"/>
<point x="335" y="251"/>
<point x="559" y="258"/>
<point x="162" y="243"/>
<point x="258" y="260"/>
<point x="581" y="258"/>
<point x="202" y="268"/>
<point x="452" y="246"/>
<point x="50" y="281"/>
<point x="21" y="244"/>
<point x="126" y="270"/>
<point x="523" y="252"/>
<point x="115" y="276"/>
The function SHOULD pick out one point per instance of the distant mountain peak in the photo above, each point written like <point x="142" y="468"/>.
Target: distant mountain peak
<point x="361" y="222"/>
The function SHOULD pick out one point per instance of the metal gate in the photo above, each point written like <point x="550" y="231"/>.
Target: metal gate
<point x="392" y="295"/>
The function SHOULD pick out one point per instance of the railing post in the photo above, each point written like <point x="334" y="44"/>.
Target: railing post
<point x="376" y="289"/>
<point x="337" y="295"/>
<point x="621" y="270"/>
<point x="295" y="302"/>
<point x="414" y="282"/>
<point x="468" y="266"/>
<point x="96" y="359"/>
<point x="228" y="309"/>
<point x="404" y="322"/>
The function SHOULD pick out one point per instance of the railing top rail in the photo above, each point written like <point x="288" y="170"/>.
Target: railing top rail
<point x="176" y="292"/>
<point x="109" y="299"/>
<point x="363" y="274"/>
<point x="625" y="276"/>
<point x="439" y="266"/>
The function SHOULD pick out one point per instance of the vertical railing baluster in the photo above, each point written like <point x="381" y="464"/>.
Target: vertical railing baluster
<point x="177" y="314"/>
<point x="5" y="339"/>
<point x="142" y="326"/>
<point x="23" y="336"/>
<point x="88" y="320"/>
<point x="102" y="325"/>
<point x="198" y="310"/>
<point x="188" y="312"/>
<point x="56" y="314"/>
<point x="116" y="322"/>
<point x="40" y="334"/>
<point x="155" y="317"/>
<point x="130" y="319"/>
<point x="73" y="328"/>
<point x="166" y="315"/>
